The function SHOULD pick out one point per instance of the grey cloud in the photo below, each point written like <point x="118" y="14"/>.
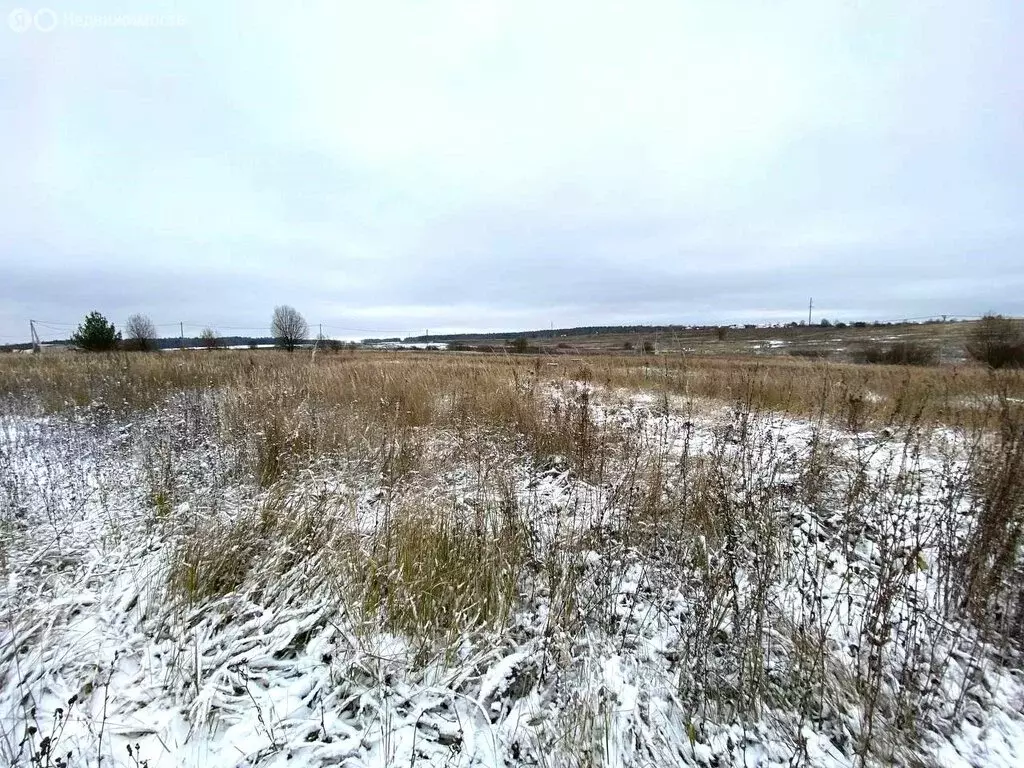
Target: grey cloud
<point x="454" y="170"/>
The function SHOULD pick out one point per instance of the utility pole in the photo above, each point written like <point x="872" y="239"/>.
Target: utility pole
<point x="181" y="330"/>
<point x="810" y="306"/>
<point x="321" y="332"/>
<point x="36" y="344"/>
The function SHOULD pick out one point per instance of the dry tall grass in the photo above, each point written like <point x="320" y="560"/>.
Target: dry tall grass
<point x="732" y="536"/>
<point x="403" y="387"/>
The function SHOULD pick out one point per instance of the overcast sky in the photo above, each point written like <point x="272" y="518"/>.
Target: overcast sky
<point x="391" y="167"/>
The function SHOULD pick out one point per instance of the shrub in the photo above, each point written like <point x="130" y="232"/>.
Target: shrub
<point x="998" y="342"/>
<point x="912" y="353"/>
<point x="814" y="354"/>
<point x="96" y="334"/>
<point x="872" y="353"/>
<point x="208" y="338"/>
<point x="520" y="345"/>
<point x="900" y="353"/>
<point x="141" y="334"/>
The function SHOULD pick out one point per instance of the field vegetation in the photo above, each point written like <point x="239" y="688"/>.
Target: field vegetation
<point x="993" y="340"/>
<point x="359" y="558"/>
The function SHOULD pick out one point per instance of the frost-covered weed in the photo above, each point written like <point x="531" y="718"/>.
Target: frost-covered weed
<point x="379" y="561"/>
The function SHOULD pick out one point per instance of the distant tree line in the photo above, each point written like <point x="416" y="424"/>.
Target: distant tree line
<point x="994" y="340"/>
<point x="597" y="330"/>
<point x="288" y="329"/>
<point x="547" y="333"/>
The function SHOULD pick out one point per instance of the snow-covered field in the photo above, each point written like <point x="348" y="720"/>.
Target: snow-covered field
<point x="709" y="586"/>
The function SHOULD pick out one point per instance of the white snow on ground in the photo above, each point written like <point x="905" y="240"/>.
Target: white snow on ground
<point x="95" y="655"/>
<point x="408" y="345"/>
<point x="984" y="402"/>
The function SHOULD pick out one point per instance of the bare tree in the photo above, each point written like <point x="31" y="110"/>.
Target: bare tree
<point x="208" y="338"/>
<point x="288" y="327"/>
<point x="140" y="333"/>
